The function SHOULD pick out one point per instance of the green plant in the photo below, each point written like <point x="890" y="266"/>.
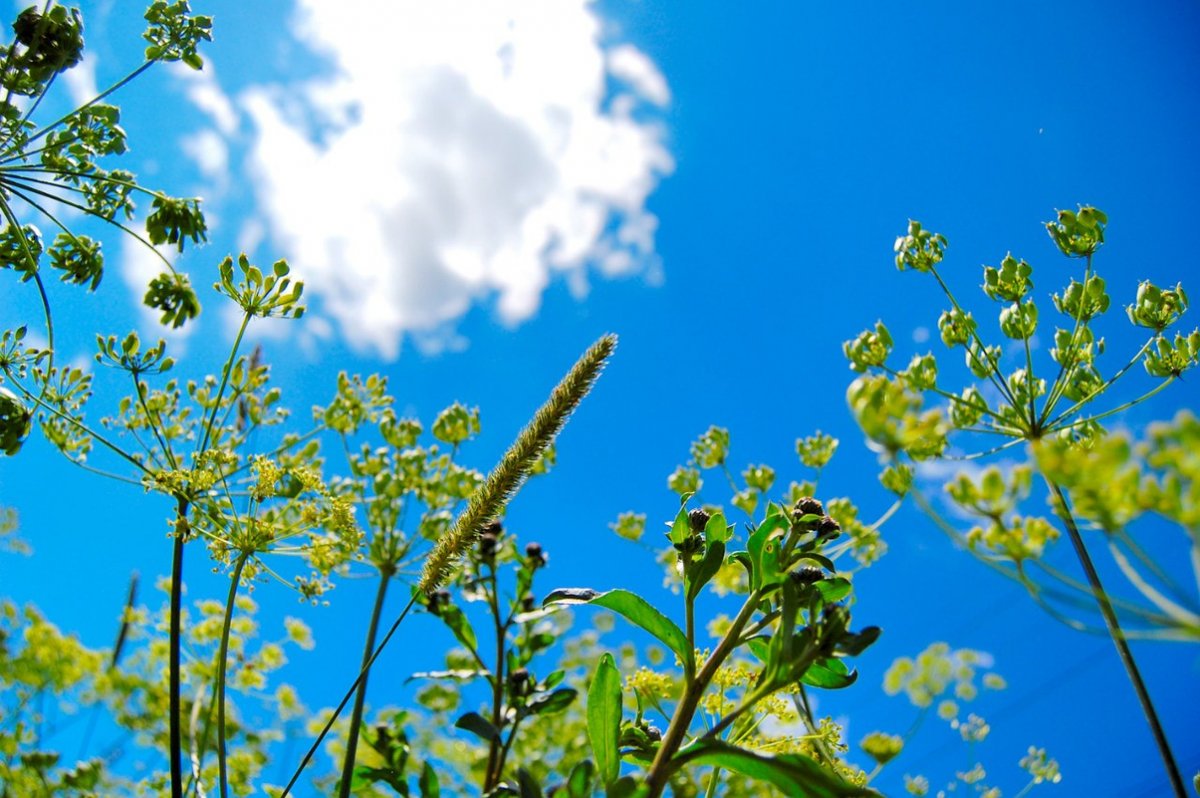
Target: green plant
<point x="1009" y="399"/>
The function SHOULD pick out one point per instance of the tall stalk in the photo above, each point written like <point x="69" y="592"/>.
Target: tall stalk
<point x="175" y="705"/>
<point x="360" y="696"/>
<point x="222" y="657"/>
<point x="1118" y="638"/>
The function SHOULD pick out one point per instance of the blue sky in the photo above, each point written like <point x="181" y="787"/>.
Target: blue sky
<point x="721" y="188"/>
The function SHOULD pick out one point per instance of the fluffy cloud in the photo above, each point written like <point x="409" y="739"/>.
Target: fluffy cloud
<point x="457" y="152"/>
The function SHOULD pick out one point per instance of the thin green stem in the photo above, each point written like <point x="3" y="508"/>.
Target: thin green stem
<point x="360" y="696"/>
<point x="173" y="644"/>
<point x="89" y="212"/>
<point x="226" y="370"/>
<point x="222" y="657"/>
<point x="1064" y="367"/>
<point x="11" y="218"/>
<point x="44" y="130"/>
<point x="1103" y="386"/>
<point x="495" y="764"/>
<point x="994" y="371"/>
<point x="1118" y="639"/>
<point x="1120" y="409"/>
<point x="346" y="699"/>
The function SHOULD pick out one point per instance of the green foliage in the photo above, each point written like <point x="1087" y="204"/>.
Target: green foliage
<point x="523" y="706"/>
<point x="1055" y="414"/>
<point x="1089" y="475"/>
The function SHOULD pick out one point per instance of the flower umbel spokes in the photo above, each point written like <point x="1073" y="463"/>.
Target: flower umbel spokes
<point x="1012" y="397"/>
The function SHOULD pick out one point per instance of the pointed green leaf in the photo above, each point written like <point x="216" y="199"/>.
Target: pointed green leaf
<point x="717" y="529"/>
<point x="633" y="608"/>
<point x="604" y="718"/>
<point x="706" y="569"/>
<point x="830" y="673"/>
<point x="579" y="783"/>
<point x="549" y="703"/>
<point x="834" y="589"/>
<point x="764" y="554"/>
<point x="528" y="784"/>
<point x="793" y="774"/>
<point x="428" y="783"/>
<point x="681" y="527"/>
<point x="478" y="725"/>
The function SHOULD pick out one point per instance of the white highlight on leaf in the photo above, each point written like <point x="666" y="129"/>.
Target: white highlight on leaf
<point x="462" y="150"/>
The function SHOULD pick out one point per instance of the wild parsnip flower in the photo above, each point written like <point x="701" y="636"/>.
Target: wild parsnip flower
<point x="1041" y="767"/>
<point x="916" y="785"/>
<point x="883" y="748"/>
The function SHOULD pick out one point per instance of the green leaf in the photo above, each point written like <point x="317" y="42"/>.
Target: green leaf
<point x="764" y="552"/>
<point x="428" y="783"/>
<point x="830" y="673"/>
<point x="549" y="703"/>
<point x="459" y="675"/>
<point x="454" y="618"/>
<point x="706" y="569"/>
<point x="681" y="527"/>
<point x="627" y="787"/>
<point x="479" y="726"/>
<point x="854" y="643"/>
<point x="633" y="608"/>
<point x="579" y="783"/>
<point x="718" y="529"/>
<point x="834" y="589"/>
<point x="604" y="718"/>
<point x="793" y="774"/>
<point x="528" y="784"/>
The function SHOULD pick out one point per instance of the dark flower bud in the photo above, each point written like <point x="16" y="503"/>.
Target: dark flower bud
<point x="698" y="519"/>
<point x="493" y="528"/>
<point x="519" y="681"/>
<point x="653" y="733"/>
<point x="487" y="544"/>
<point x="828" y="528"/>
<point x="537" y="557"/>
<point x="807" y="575"/>
<point x="808" y="506"/>
<point x="528" y="603"/>
<point x="435" y="601"/>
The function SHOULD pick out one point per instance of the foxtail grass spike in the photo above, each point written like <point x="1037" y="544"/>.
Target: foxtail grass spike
<point x="504" y="480"/>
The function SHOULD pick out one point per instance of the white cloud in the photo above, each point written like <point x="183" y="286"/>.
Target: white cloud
<point x="203" y="89"/>
<point x="210" y="152"/>
<point x="631" y="65"/>
<point x="463" y="150"/>
<point x="81" y="80"/>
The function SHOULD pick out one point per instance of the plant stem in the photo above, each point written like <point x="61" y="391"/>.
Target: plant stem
<point x="346" y="698"/>
<point x="176" y="734"/>
<point x="495" y="763"/>
<point x="1118" y="638"/>
<point x="225" y="372"/>
<point x="360" y="697"/>
<point x="660" y="770"/>
<point x="222" y="655"/>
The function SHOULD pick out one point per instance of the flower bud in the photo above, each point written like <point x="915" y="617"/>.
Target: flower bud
<point x="808" y="506"/>
<point x="537" y="557"/>
<point x="698" y="519"/>
<point x="519" y="681"/>
<point x="828" y="528"/>
<point x="807" y="575"/>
